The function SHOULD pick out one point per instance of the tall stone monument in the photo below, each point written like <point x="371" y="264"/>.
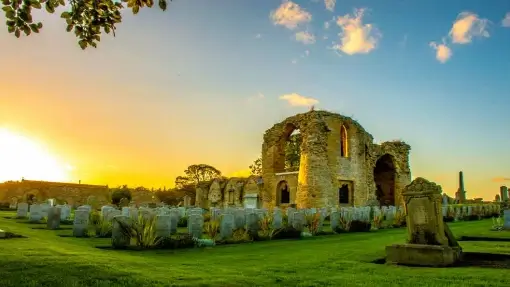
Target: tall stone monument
<point x="461" y="192"/>
<point x="503" y="190"/>
<point x="430" y="241"/>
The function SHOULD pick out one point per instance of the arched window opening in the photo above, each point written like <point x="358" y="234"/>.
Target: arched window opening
<point x="344" y="147"/>
<point x="293" y="151"/>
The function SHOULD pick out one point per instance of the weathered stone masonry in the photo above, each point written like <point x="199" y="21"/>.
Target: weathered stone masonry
<point x="340" y="164"/>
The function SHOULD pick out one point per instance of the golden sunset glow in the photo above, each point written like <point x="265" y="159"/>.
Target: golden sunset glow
<point x="23" y="157"/>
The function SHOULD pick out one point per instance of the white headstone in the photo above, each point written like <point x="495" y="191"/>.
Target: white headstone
<point x="22" y="211"/>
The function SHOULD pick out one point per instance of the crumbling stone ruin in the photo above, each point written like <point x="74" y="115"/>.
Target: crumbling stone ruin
<point x="340" y="165"/>
<point x="229" y="192"/>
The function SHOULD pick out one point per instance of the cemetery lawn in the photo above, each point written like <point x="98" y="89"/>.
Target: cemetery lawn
<point x="45" y="259"/>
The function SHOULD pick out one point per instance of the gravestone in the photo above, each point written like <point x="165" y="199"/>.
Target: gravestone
<point x="44" y="209"/>
<point x="35" y="213"/>
<point x="81" y="223"/>
<point x="119" y="238"/>
<point x="163" y="226"/>
<point x="14" y="203"/>
<point x="298" y="221"/>
<point x="111" y="213"/>
<point x="506" y="218"/>
<point x="125" y="211"/>
<point x="334" y="219"/>
<point x="277" y="219"/>
<point x="195" y="225"/>
<point x="227" y="225"/>
<point x="133" y="213"/>
<point x="430" y="241"/>
<point x="53" y="221"/>
<point x="174" y="220"/>
<point x="22" y="211"/>
<point x="239" y="218"/>
<point x="252" y="222"/>
<point x="65" y="212"/>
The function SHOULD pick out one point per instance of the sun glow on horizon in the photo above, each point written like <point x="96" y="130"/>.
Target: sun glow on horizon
<point x="21" y="157"/>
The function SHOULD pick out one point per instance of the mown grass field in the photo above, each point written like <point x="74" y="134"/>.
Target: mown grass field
<point x="45" y="259"/>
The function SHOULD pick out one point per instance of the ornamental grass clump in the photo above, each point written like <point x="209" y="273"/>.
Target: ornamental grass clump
<point x="141" y="230"/>
<point x="266" y="226"/>
<point x="101" y="225"/>
<point x="212" y="228"/>
<point x="314" y="223"/>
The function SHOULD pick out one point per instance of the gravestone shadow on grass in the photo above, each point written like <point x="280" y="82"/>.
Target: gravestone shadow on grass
<point x="45" y="228"/>
<point x="29" y="222"/>
<point x="10" y="235"/>
<point x="470" y="259"/>
<point x="480" y="238"/>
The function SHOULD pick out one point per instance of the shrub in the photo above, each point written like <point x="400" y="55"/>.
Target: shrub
<point x="183" y="222"/>
<point x="101" y="226"/>
<point x="377" y="221"/>
<point x="178" y="241"/>
<point x="314" y="223"/>
<point x="119" y="193"/>
<point x="212" y="228"/>
<point x="142" y="230"/>
<point x="287" y="232"/>
<point x="266" y="226"/>
<point x="359" y="226"/>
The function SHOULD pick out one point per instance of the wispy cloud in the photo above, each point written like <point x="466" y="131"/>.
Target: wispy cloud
<point x="297" y="100"/>
<point x="259" y="96"/>
<point x="294" y="61"/>
<point x="443" y="52"/>
<point x="403" y="43"/>
<point x="290" y="15"/>
<point x="506" y="21"/>
<point x="356" y="37"/>
<point x="326" y="25"/>
<point x="330" y="4"/>
<point x="467" y="26"/>
<point x="258" y="36"/>
<point x="501" y="179"/>
<point x="305" y="38"/>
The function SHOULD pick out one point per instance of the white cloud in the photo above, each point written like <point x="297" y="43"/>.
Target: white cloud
<point x="326" y="25"/>
<point x="330" y="4"/>
<point x="506" y="21"/>
<point x="290" y="15"/>
<point x="305" y="38"/>
<point x="297" y="100"/>
<point x="443" y="52"/>
<point x="294" y="61"/>
<point x="467" y="26"/>
<point x="258" y="36"/>
<point x="356" y="37"/>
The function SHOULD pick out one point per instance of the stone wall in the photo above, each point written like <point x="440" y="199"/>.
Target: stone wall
<point x="72" y="193"/>
<point x="324" y="168"/>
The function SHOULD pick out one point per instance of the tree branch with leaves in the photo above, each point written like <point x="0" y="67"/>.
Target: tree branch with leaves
<point x="87" y="18"/>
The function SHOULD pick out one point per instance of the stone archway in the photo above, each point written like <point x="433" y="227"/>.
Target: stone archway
<point x="283" y="192"/>
<point x="384" y="177"/>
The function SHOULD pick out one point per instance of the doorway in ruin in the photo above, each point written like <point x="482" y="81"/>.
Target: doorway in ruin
<point x="345" y="192"/>
<point x="384" y="177"/>
<point x="283" y="192"/>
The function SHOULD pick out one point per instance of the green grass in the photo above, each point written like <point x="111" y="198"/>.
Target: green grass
<point x="45" y="259"/>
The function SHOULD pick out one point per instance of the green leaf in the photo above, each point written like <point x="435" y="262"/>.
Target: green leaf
<point x="107" y="29"/>
<point x="6" y="2"/>
<point x="83" y="44"/>
<point x="36" y="4"/>
<point x="39" y="25"/>
<point x="65" y="15"/>
<point x="136" y="9"/>
<point x="7" y="8"/>
<point x="162" y="4"/>
<point x="26" y="30"/>
<point x="34" y="28"/>
<point x="97" y="38"/>
<point x="10" y="23"/>
<point x="61" y="2"/>
<point x="17" y="33"/>
<point x="10" y="15"/>
<point x="69" y="28"/>
<point x="11" y="29"/>
<point x="49" y="7"/>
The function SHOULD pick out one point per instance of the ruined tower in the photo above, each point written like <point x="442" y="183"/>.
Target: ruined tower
<point x="461" y="192"/>
<point x="503" y="190"/>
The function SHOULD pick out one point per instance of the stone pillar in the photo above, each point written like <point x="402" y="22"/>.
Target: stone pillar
<point x="315" y="185"/>
<point x="461" y="191"/>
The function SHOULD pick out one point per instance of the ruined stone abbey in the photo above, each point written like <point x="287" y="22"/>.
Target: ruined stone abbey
<point x="339" y="164"/>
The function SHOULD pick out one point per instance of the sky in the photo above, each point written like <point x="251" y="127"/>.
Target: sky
<point x="201" y="82"/>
